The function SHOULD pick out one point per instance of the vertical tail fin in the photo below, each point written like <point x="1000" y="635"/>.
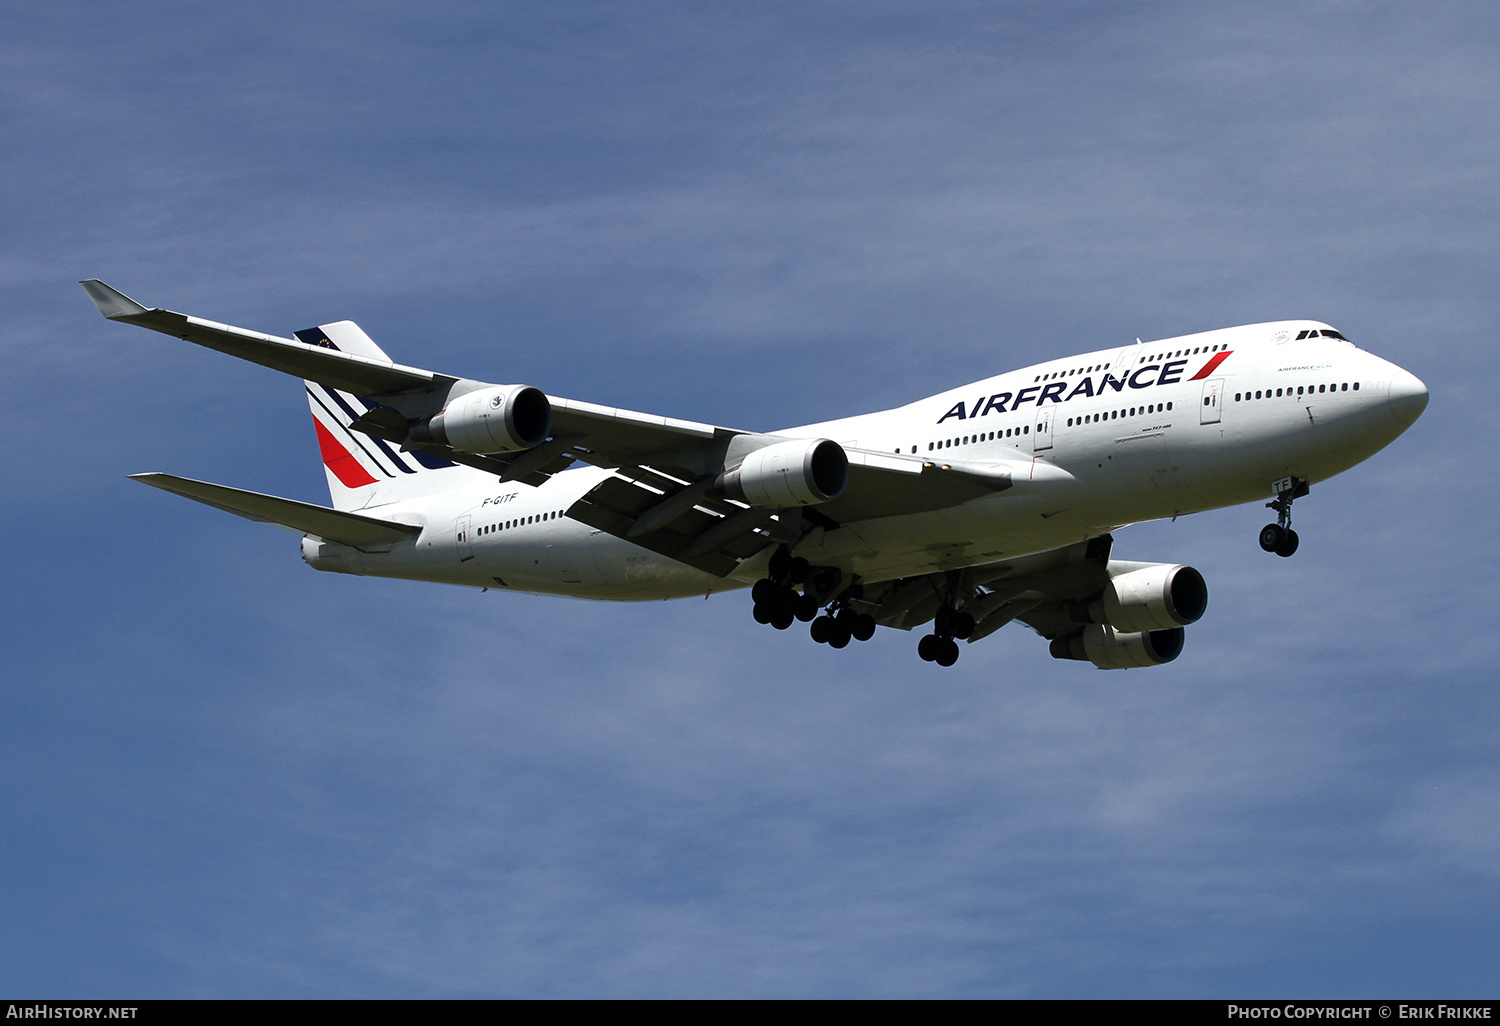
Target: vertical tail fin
<point x="364" y="471"/>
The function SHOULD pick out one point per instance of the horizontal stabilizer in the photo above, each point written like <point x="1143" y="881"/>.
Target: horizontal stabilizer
<point x="359" y="375"/>
<point x="303" y="517"/>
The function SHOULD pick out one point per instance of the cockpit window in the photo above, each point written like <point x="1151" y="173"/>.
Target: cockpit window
<point x="1330" y="333"/>
<point x="1325" y="332"/>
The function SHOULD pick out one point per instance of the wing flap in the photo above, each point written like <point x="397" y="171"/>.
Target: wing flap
<point x="711" y="535"/>
<point x="302" y="517"/>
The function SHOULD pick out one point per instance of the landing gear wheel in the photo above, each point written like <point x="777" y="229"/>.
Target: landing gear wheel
<point x="798" y="569"/>
<point x="962" y="625"/>
<point x="947" y="652"/>
<point x="1279" y="537"/>
<point x="839" y="635"/>
<point x="763" y="612"/>
<point x="927" y="647"/>
<point x="783" y="619"/>
<point x="863" y="627"/>
<point x="822" y="629"/>
<point x="1288" y="543"/>
<point x="763" y="591"/>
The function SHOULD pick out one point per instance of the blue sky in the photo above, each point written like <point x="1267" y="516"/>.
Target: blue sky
<point x="228" y="775"/>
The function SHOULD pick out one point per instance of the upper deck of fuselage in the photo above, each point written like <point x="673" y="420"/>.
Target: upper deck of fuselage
<point x="1116" y="362"/>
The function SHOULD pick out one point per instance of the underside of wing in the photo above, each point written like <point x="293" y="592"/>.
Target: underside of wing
<point x="711" y="535"/>
<point x="1035" y="589"/>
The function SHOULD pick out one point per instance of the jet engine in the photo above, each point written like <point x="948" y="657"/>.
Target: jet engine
<point x="1110" y="649"/>
<point x="500" y="418"/>
<point x="800" y="472"/>
<point x="1157" y="596"/>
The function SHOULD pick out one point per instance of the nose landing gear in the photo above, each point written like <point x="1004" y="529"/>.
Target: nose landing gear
<point x="1279" y="537"/>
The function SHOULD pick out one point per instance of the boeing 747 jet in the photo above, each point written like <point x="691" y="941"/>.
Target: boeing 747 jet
<point x="953" y="515"/>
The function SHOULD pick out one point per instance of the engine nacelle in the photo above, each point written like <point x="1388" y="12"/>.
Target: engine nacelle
<point x="799" y="472"/>
<point x="1110" y="649"/>
<point x="1152" y="598"/>
<point x="501" y="418"/>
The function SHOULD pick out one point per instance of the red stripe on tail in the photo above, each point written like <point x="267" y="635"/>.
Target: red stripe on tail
<point x="1211" y="365"/>
<point x="339" y="460"/>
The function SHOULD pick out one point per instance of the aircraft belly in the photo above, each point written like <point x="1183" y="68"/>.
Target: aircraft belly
<point x="977" y="532"/>
<point x="630" y="572"/>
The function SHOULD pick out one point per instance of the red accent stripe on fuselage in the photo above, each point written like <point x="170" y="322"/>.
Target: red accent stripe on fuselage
<point x="1212" y="365"/>
<point x="345" y="467"/>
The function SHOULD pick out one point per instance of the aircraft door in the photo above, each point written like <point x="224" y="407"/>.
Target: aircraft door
<point x="1041" y="432"/>
<point x="465" y="538"/>
<point x="1208" y="410"/>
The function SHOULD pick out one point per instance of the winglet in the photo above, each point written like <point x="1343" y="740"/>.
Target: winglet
<point x="111" y="303"/>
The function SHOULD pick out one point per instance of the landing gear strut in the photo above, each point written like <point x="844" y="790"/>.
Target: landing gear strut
<point x="1279" y="537"/>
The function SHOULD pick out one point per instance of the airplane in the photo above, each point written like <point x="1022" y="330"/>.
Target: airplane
<point x="958" y="513"/>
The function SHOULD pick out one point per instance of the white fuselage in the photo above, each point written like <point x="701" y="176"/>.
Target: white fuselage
<point x="1147" y="431"/>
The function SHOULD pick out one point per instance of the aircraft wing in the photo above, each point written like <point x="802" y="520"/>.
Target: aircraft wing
<point x="659" y="497"/>
<point x="300" y="517"/>
<point x="356" y="374"/>
<point x="1038" y="590"/>
<point x="603" y="435"/>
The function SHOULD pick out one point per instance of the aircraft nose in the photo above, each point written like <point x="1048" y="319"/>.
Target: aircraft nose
<point x="1408" y="397"/>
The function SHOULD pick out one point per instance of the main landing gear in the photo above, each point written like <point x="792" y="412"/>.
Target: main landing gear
<point x="841" y="625"/>
<point x="1279" y="537"/>
<point x="939" y="646"/>
<point x="779" y="604"/>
